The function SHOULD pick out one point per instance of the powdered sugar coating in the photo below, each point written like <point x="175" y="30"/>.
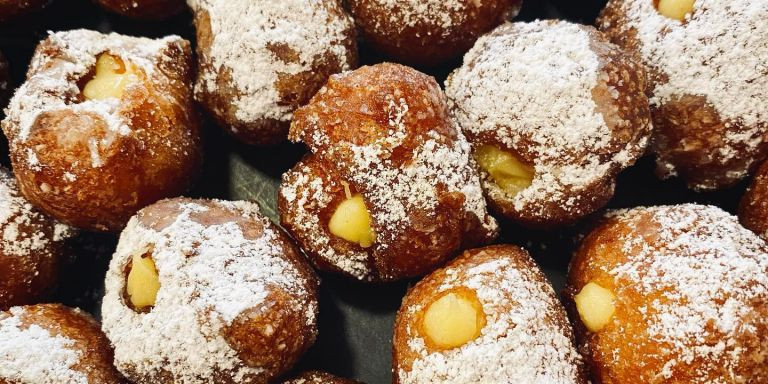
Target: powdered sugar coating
<point x="691" y="288"/>
<point x="526" y="338"/>
<point x="211" y="274"/>
<point x="51" y="90"/>
<point x="533" y="88"/>
<point x="399" y="149"/>
<point x="254" y="45"/>
<point x="30" y="354"/>
<point x="709" y="75"/>
<point x="30" y="246"/>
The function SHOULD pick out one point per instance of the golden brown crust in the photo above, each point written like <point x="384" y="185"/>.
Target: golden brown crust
<point x="575" y="164"/>
<point x="318" y="377"/>
<point x="86" y="174"/>
<point x="428" y="33"/>
<point x="252" y="320"/>
<point x="692" y="139"/>
<point x="509" y="285"/>
<point x="349" y="128"/>
<point x="753" y="209"/>
<point x="218" y="86"/>
<point x="12" y="8"/>
<point x="31" y="248"/>
<point x="646" y="257"/>
<point x="95" y="353"/>
<point x="144" y="9"/>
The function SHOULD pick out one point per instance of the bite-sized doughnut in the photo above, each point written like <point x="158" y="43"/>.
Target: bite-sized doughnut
<point x="428" y="32"/>
<point x="317" y="377"/>
<point x="553" y="112"/>
<point x="671" y="294"/>
<point x="490" y="316"/>
<point x="12" y="8"/>
<point x="103" y="126"/>
<point x="32" y="247"/>
<point x="708" y="87"/>
<point x="753" y="209"/>
<point x="259" y="60"/>
<point x="207" y="291"/>
<point x="144" y="9"/>
<point x="52" y="344"/>
<point x="389" y="190"/>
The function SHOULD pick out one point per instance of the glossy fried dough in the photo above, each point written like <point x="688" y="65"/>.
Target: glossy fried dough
<point x="317" y="377"/>
<point x="234" y="301"/>
<point x="50" y="343"/>
<point x="383" y="145"/>
<point x="12" y="8"/>
<point x="144" y="9"/>
<point x="428" y="32"/>
<point x="32" y="247"/>
<point x="708" y="89"/>
<point x="93" y="161"/>
<point x="553" y="112"/>
<point x="671" y="294"/>
<point x="523" y="330"/>
<point x="753" y="210"/>
<point x="253" y="71"/>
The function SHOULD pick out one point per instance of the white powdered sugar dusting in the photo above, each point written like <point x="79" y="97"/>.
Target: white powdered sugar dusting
<point x="719" y="52"/>
<point x="530" y="85"/>
<point x="209" y="274"/>
<point x="53" y="82"/>
<point x="710" y="272"/>
<point x="519" y="344"/>
<point x="442" y="13"/>
<point x="30" y="354"/>
<point x="243" y="34"/>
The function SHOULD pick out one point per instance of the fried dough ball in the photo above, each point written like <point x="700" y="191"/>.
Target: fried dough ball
<point x="753" y="210"/>
<point x="259" y="60"/>
<point x="428" y="32"/>
<point x="490" y="316"/>
<point x="51" y="343"/>
<point x="32" y="246"/>
<point x="103" y="126"/>
<point x="708" y="87"/>
<point x="389" y="190"/>
<point x="317" y="377"/>
<point x="671" y="294"/>
<point x="553" y="112"/>
<point x="12" y="8"/>
<point x="144" y="9"/>
<point x="207" y="291"/>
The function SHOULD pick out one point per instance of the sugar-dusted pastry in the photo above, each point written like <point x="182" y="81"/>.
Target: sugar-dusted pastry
<point x="317" y="377"/>
<point x="144" y="9"/>
<point x="207" y="291"/>
<point x="708" y="83"/>
<point x="12" y="8"/>
<point x="490" y="316"/>
<point x="753" y="210"/>
<point x="53" y="344"/>
<point x="32" y="248"/>
<point x="259" y="60"/>
<point x="553" y="112"/>
<point x="428" y="32"/>
<point x="103" y="126"/>
<point x="389" y="190"/>
<point x="671" y="294"/>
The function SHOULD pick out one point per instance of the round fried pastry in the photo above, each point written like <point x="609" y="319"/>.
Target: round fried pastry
<point x="389" y="190"/>
<point x="233" y="301"/>
<point x="519" y="331"/>
<point x="672" y="294"/>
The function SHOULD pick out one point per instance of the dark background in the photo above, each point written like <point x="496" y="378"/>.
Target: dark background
<point x="355" y="319"/>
